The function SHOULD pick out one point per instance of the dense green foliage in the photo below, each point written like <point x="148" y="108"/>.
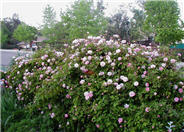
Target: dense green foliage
<point x="99" y="85"/>
<point x="8" y="25"/>
<point x="3" y="35"/>
<point x="163" y="17"/>
<point x="83" y="18"/>
<point x="8" y="107"/>
<point x="16" y="118"/>
<point x="25" y="33"/>
<point x="49" y="21"/>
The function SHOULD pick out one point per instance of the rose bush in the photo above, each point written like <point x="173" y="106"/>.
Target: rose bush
<point x="100" y="85"/>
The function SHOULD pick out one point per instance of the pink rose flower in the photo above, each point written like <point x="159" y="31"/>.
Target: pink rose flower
<point x="176" y="99"/>
<point x="161" y="68"/>
<point x="129" y="64"/>
<point x="82" y="81"/>
<point x="165" y="59"/>
<point x="180" y="90"/>
<point x="97" y="125"/>
<point x="132" y="94"/>
<point x="173" y="61"/>
<point x="120" y="120"/>
<point x="136" y="83"/>
<point x="88" y="95"/>
<point x="126" y="106"/>
<point x="87" y="62"/>
<point x="68" y="96"/>
<point x="145" y="72"/>
<point x="66" y="115"/>
<point x="150" y="59"/>
<point x="147" y="109"/>
<point x="46" y="56"/>
<point x="49" y="106"/>
<point x="52" y="115"/>
<point x="41" y="76"/>
<point x="147" y="89"/>
<point x="147" y="84"/>
<point x="179" y="54"/>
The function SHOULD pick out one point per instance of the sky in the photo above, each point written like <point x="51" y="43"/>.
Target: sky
<point x="31" y="11"/>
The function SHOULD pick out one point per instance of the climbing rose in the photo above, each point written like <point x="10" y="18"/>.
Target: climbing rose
<point x="118" y="51"/>
<point x="147" y="84"/>
<point x="136" y="83"/>
<point x="66" y="115"/>
<point x="88" y="95"/>
<point x="147" y="109"/>
<point x="90" y="52"/>
<point x="180" y="90"/>
<point x="52" y="115"/>
<point x="147" y="89"/>
<point x="76" y="65"/>
<point x="126" y="106"/>
<point x="109" y="81"/>
<point x="165" y="59"/>
<point x="125" y="79"/>
<point x="173" y="61"/>
<point x="102" y="64"/>
<point x="82" y="81"/>
<point x="120" y="120"/>
<point x="132" y="94"/>
<point x="161" y="68"/>
<point x="176" y="99"/>
<point x="118" y="87"/>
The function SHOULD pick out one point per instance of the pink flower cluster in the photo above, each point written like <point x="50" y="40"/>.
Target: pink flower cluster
<point x="88" y="95"/>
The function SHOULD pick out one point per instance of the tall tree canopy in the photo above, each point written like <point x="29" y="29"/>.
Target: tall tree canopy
<point x="8" y="25"/>
<point x="83" y="19"/>
<point x="4" y="32"/>
<point x="119" y="24"/>
<point x="25" y="33"/>
<point x="49" y="21"/>
<point x="163" y="17"/>
<point x="137" y="25"/>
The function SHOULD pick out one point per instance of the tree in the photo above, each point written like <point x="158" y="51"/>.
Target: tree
<point x="12" y="23"/>
<point x="137" y="25"/>
<point x="8" y="25"/>
<point x="84" y="19"/>
<point x="49" y="20"/>
<point x="4" y="32"/>
<point x="163" y="17"/>
<point x="25" y="33"/>
<point x="119" y="24"/>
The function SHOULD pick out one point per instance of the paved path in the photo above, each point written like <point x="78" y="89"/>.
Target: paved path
<point x="6" y="55"/>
